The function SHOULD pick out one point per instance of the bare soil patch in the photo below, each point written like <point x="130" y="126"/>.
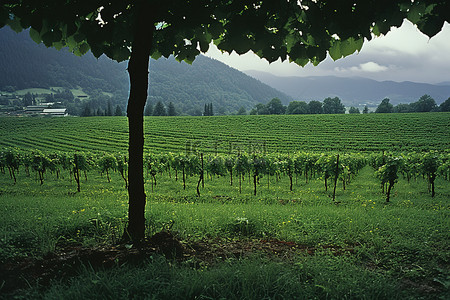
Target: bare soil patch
<point x="66" y="260"/>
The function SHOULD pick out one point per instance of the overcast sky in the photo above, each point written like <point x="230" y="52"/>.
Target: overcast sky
<point x="404" y="54"/>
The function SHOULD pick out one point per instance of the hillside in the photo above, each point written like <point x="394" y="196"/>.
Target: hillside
<point x="207" y="81"/>
<point x="25" y="64"/>
<point x="353" y="91"/>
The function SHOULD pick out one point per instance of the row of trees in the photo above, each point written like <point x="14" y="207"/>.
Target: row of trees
<point x="275" y="107"/>
<point x="425" y="104"/>
<point x="159" y="109"/>
<point x="334" y="106"/>
<point x="329" y="167"/>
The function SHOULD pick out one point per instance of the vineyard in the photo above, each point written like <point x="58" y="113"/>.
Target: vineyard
<point x="233" y="134"/>
<point x="337" y="206"/>
<point x="255" y="166"/>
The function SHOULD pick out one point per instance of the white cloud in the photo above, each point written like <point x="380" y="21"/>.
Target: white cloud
<point x="370" y="67"/>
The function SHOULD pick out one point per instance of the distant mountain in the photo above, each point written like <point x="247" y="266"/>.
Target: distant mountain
<point x="353" y="91"/>
<point x="24" y="64"/>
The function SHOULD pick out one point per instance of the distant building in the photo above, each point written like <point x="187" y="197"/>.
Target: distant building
<point x="45" y="110"/>
<point x="34" y="109"/>
<point x="55" y="112"/>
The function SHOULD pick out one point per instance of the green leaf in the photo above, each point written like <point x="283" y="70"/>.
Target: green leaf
<point x="121" y="54"/>
<point x="81" y="49"/>
<point x="216" y="29"/>
<point x="156" y="55"/>
<point x="187" y="54"/>
<point x="431" y="27"/>
<point x="415" y="12"/>
<point x="359" y="44"/>
<point x="35" y="36"/>
<point x="335" y="50"/>
<point x="70" y="42"/>
<point x="97" y="50"/>
<point x="58" y="45"/>
<point x="349" y="46"/>
<point x="15" y="24"/>
<point x="84" y="48"/>
<point x="300" y="61"/>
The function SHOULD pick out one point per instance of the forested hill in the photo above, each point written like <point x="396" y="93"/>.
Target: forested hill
<point x="207" y="81"/>
<point x="24" y="64"/>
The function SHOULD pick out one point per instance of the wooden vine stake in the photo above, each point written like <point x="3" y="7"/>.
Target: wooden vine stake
<point x="336" y="174"/>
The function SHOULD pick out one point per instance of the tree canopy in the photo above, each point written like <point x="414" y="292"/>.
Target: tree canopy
<point x="333" y="106"/>
<point x="385" y="106"/>
<point x="300" y="31"/>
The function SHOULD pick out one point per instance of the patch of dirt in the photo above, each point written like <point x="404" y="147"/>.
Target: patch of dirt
<point x="68" y="258"/>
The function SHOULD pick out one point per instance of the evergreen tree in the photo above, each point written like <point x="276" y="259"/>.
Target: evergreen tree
<point x="208" y="110"/>
<point x="354" y="110"/>
<point x="27" y="99"/>
<point x="86" y="111"/>
<point x="159" y="109"/>
<point x="118" y="111"/>
<point x="148" y="109"/>
<point x="366" y="110"/>
<point x="241" y="111"/>
<point x="171" y="109"/>
<point x="109" y="109"/>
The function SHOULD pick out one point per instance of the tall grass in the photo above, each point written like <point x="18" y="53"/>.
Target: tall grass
<point x="395" y="244"/>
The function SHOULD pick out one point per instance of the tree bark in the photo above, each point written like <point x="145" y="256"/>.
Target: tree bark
<point x="336" y="174"/>
<point x="138" y="72"/>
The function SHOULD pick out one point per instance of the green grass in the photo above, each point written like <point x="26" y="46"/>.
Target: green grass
<point x="401" y="249"/>
<point x="75" y="92"/>
<point x="346" y="133"/>
<point x="318" y="278"/>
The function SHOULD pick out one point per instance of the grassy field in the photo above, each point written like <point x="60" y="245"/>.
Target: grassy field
<point x="357" y="248"/>
<point x="75" y="92"/>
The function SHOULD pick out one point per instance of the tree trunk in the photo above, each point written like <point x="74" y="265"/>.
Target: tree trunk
<point x="184" y="179"/>
<point x="432" y="179"/>
<point x="336" y="174"/>
<point x="388" y="193"/>
<point x="203" y="179"/>
<point x="138" y="72"/>
<point x="254" y="182"/>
